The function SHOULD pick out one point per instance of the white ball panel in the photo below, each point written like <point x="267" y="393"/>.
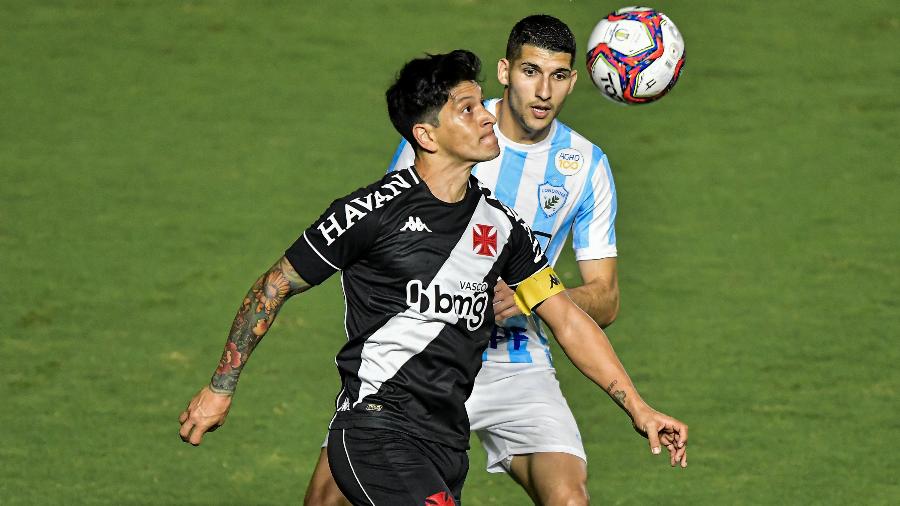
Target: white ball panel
<point x="630" y="37"/>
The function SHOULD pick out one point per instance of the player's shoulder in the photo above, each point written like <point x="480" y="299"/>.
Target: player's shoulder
<point x="491" y="200"/>
<point x="382" y="191"/>
<point x="579" y="141"/>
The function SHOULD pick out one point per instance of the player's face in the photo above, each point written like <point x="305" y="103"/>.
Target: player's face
<point x="537" y="82"/>
<point x="466" y="128"/>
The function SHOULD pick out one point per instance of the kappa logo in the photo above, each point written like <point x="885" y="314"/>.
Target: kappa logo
<point x="569" y="161"/>
<point x="484" y="240"/>
<point x="554" y="281"/>
<point x="415" y="224"/>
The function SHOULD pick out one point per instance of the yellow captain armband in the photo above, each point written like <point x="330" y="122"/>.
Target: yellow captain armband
<point x="539" y="287"/>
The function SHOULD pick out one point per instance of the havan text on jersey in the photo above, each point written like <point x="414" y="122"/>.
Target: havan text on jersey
<point x="357" y="208"/>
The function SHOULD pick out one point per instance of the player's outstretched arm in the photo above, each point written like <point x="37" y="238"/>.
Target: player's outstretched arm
<point x="588" y="348"/>
<point x="208" y="409"/>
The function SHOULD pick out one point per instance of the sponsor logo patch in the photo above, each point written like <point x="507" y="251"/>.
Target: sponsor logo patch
<point x="569" y="161"/>
<point x="439" y="304"/>
<point x="552" y="198"/>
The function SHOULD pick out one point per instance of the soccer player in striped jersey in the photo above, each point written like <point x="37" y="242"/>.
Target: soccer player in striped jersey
<point x="419" y="295"/>
<point x="558" y="182"/>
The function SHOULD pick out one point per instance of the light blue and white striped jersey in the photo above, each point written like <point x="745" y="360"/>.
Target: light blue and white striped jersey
<point x="560" y="184"/>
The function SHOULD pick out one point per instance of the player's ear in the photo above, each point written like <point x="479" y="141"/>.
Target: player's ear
<point x="503" y="71"/>
<point x="423" y="133"/>
<point x="572" y="78"/>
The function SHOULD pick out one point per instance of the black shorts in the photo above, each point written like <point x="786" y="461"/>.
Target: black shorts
<point x="387" y="468"/>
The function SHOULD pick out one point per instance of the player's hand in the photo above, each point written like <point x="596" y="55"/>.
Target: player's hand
<point x="504" y="302"/>
<point x="663" y="430"/>
<point x="205" y="413"/>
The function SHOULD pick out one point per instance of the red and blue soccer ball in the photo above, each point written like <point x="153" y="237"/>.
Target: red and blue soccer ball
<point x="635" y="55"/>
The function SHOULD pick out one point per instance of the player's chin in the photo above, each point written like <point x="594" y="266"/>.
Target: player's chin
<point x="489" y="147"/>
<point x="492" y="153"/>
<point x="538" y="124"/>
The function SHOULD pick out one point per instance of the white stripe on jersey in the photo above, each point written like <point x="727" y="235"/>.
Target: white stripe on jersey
<point x="586" y="207"/>
<point x="408" y="333"/>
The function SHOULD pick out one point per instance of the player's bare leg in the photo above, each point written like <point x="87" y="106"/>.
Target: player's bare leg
<point x="322" y="490"/>
<point x="551" y="479"/>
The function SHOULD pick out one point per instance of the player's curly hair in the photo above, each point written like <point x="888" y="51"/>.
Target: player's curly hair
<point x="423" y="87"/>
<point x="543" y="31"/>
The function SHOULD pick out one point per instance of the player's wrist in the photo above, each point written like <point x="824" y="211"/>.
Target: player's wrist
<point x="219" y="389"/>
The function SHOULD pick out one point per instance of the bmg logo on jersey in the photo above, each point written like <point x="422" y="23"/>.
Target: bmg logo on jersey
<point x="469" y="307"/>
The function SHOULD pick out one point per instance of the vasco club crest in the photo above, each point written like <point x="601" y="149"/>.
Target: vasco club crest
<point x="484" y="240"/>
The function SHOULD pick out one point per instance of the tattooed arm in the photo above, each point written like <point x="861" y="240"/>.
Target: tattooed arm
<point x="589" y="349"/>
<point x="208" y="409"/>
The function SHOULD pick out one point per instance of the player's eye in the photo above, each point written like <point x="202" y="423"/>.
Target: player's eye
<point x="530" y="72"/>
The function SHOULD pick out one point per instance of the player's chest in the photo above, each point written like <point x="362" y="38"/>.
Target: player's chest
<point x="541" y="195"/>
<point x="420" y="240"/>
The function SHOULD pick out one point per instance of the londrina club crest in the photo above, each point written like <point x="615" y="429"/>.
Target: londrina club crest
<point x="551" y="198"/>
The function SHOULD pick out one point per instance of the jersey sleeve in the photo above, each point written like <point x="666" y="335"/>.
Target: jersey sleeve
<point x="338" y="238"/>
<point x="594" y="230"/>
<point x="528" y="272"/>
<point x="404" y="156"/>
<point x="525" y="256"/>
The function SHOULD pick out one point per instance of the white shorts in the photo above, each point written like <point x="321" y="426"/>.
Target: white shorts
<point x="515" y="414"/>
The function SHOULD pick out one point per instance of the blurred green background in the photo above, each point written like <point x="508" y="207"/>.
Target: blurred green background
<point x="155" y="157"/>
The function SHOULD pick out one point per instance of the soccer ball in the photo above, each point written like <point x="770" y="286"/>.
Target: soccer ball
<point x="635" y="55"/>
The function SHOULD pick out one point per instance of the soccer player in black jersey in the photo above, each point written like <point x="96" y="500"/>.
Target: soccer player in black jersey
<point x="420" y="252"/>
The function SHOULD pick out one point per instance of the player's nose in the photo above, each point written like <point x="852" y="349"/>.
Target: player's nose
<point x="488" y="119"/>
<point x="543" y="91"/>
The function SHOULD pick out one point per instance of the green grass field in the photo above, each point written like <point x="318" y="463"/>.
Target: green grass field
<point x="155" y="157"/>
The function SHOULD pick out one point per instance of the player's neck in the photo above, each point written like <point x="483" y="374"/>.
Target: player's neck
<point x="512" y="129"/>
<point x="447" y="179"/>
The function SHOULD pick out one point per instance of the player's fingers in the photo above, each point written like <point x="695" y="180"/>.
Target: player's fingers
<point x="185" y="430"/>
<point x="506" y="313"/>
<point x="183" y="417"/>
<point x="653" y="437"/>
<point x="680" y="457"/>
<point x="672" y="452"/>
<point x="681" y="434"/>
<point x="197" y="434"/>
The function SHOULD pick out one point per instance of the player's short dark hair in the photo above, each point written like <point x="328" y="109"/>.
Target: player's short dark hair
<point x="543" y="31"/>
<point x="423" y="87"/>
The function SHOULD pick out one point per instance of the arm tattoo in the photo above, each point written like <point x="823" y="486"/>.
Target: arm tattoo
<point x="253" y="319"/>
<point x="611" y="385"/>
<point x="619" y="397"/>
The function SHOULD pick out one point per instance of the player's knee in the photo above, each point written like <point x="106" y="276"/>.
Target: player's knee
<point x="573" y="494"/>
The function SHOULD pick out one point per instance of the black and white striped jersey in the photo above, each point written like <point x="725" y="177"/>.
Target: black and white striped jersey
<point x="418" y="276"/>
